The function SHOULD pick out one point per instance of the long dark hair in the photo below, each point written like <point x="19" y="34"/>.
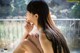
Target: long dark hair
<point x="52" y="33"/>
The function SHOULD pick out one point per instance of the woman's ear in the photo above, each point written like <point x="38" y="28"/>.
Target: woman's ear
<point x="36" y="16"/>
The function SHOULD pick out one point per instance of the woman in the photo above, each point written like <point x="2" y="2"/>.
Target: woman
<point x="47" y="37"/>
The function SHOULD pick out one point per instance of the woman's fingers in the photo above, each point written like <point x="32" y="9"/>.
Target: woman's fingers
<point x="29" y="26"/>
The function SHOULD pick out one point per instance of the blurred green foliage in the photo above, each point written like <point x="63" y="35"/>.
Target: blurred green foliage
<point x="75" y="12"/>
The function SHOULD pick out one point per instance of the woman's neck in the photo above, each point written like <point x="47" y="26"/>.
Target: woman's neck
<point x="39" y="28"/>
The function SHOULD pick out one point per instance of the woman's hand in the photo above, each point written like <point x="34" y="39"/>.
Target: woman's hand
<point x="28" y="29"/>
<point x="29" y="26"/>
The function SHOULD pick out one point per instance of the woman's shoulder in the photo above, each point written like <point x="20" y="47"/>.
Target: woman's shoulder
<point x="48" y="33"/>
<point x="32" y="42"/>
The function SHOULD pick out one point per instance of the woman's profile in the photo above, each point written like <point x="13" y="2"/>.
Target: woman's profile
<point x="46" y="38"/>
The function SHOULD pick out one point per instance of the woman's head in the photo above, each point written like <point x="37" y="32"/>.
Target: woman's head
<point x="38" y="12"/>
